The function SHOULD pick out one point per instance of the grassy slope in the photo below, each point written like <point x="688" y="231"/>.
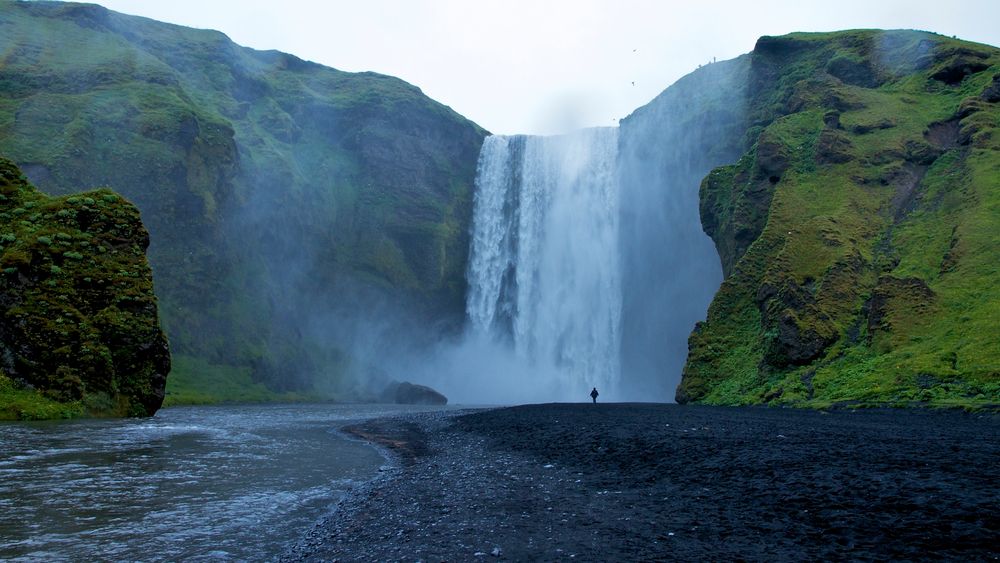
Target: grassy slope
<point x="264" y="179"/>
<point x="860" y="232"/>
<point x="79" y="331"/>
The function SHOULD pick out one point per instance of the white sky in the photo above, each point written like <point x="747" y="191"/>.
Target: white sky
<point x="546" y="66"/>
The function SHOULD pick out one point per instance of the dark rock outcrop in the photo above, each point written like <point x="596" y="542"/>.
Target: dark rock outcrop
<point x="833" y="147"/>
<point x="79" y="321"/>
<point x="853" y="70"/>
<point x="406" y="393"/>
<point x="958" y="63"/>
<point x="992" y="92"/>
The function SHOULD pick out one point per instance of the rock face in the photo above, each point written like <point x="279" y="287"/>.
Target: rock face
<point x="406" y="393"/>
<point x="79" y="320"/>
<point x="858" y="230"/>
<point x="281" y="195"/>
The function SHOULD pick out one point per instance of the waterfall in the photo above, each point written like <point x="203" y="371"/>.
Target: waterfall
<point x="545" y="271"/>
<point x="588" y="265"/>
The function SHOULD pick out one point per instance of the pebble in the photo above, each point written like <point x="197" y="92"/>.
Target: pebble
<point x="741" y="493"/>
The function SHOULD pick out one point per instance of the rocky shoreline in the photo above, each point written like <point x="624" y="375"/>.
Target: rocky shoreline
<point x="644" y="481"/>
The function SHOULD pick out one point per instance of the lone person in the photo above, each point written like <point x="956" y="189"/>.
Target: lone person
<point x="594" y="394"/>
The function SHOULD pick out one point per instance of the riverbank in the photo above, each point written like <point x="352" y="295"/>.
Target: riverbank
<point x="643" y="481"/>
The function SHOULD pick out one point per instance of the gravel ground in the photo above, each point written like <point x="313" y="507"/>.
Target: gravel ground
<point x="624" y="482"/>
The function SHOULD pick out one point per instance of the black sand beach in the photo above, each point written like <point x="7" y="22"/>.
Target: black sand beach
<point x="624" y="482"/>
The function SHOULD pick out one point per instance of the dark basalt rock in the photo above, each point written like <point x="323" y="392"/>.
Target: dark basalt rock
<point x="852" y="71"/>
<point x="779" y="45"/>
<point x="832" y="119"/>
<point x="865" y="128"/>
<point x="833" y="147"/>
<point x="943" y="134"/>
<point x="772" y="158"/>
<point x="407" y="393"/>
<point x="992" y="92"/>
<point x="796" y="330"/>
<point x="961" y="63"/>
<point x="795" y="344"/>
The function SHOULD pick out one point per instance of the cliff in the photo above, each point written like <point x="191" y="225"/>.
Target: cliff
<point x="282" y="196"/>
<point x="858" y="232"/>
<point x="79" y="332"/>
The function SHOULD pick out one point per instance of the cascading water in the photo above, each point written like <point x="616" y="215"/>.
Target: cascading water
<point x="545" y="271"/>
<point x="589" y="266"/>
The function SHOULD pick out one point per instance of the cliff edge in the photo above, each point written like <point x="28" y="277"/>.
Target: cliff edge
<point x="858" y="233"/>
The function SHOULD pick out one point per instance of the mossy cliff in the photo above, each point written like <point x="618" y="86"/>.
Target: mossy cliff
<point x="860" y="232"/>
<point x="273" y="187"/>
<point x="79" y="332"/>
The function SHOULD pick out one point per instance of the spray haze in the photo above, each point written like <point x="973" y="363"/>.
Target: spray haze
<point x="589" y="265"/>
<point x="321" y="229"/>
<point x="671" y="268"/>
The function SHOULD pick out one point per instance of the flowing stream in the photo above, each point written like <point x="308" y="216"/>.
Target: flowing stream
<point x="225" y="482"/>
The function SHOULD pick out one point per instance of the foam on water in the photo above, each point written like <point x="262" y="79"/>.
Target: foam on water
<point x="238" y="482"/>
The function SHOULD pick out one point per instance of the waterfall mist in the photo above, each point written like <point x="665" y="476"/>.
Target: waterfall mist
<point x="589" y="266"/>
<point x="671" y="269"/>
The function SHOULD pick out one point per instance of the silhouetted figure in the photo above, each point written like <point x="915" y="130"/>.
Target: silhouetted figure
<point x="594" y="394"/>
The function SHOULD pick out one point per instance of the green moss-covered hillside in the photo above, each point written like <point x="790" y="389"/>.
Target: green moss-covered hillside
<point x="860" y="232"/>
<point x="79" y="332"/>
<point x="272" y="187"/>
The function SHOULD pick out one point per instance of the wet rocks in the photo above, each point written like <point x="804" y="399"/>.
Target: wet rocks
<point x="406" y="393"/>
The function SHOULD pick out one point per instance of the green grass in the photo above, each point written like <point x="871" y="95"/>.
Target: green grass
<point x="844" y="234"/>
<point x="358" y="177"/>
<point x="18" y="403"/>
<point x="194" y="381"/>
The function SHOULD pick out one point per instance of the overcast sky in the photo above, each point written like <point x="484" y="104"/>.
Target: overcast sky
<point x="546" y="66"/>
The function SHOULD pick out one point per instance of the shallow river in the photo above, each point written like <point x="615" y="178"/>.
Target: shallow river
<point x="229" y="482"/>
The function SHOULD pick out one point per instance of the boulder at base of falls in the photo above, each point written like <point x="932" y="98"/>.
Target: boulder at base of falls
<point x="407" y="393"/>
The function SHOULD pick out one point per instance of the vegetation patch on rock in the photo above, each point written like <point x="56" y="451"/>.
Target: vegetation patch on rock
<point x="79" y="330"/>
<point x="859" y="231"/>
